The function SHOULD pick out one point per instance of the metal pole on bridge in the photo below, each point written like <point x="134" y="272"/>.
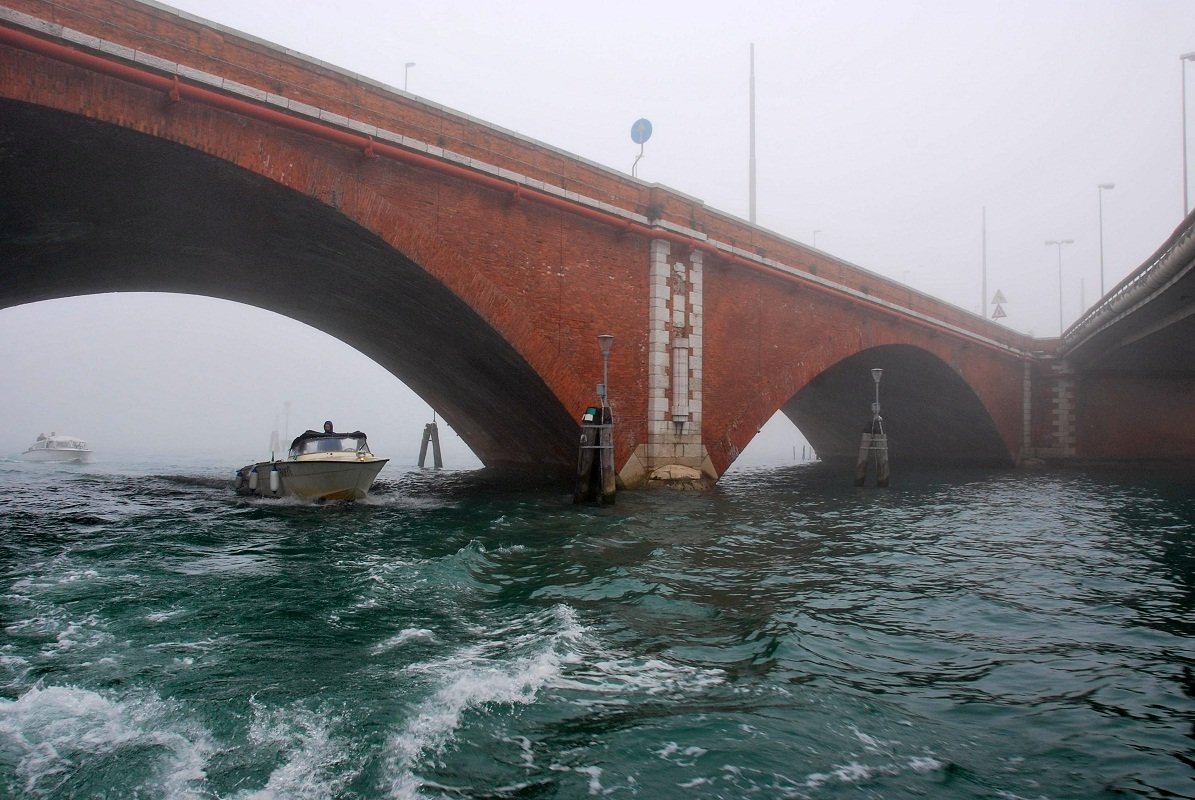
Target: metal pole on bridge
<point x="1060" y="243"/>
<point x="1182" y="60"/>
<point x="1102" y="187"/>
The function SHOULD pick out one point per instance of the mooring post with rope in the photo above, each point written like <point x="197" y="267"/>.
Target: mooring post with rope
<point x="595" y="457"/>
<point x="874" y="444"/>
<point x="431" y="435"/>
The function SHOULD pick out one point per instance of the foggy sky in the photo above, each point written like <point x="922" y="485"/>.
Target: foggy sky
<point x="887" y="127"/>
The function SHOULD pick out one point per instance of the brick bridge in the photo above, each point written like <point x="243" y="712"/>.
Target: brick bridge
<point x="142" y="149"/>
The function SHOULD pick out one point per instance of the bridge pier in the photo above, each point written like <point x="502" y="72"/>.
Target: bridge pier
<point x="674" y="385"/>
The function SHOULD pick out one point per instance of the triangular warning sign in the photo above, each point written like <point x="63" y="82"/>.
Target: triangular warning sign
<point x="998" y="313"/>
<point x="999" y="298"/>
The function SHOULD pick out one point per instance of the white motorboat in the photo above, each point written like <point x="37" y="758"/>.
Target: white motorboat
<point x="319" y="466"/>
<point x="58" y="449"/>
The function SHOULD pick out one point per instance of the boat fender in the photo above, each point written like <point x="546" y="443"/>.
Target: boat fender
<point x="253" y="479"/>
<point x="275" y="480"/>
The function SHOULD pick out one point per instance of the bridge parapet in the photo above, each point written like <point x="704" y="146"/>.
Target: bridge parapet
<point x="1168" y="265"/>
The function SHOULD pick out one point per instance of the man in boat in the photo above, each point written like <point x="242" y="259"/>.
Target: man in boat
<point x="328" y="444"/>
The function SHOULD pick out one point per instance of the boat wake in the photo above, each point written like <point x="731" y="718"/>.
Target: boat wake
<point x="50" y="731"/>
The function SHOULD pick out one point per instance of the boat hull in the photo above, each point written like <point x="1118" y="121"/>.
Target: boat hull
<point x="322" y="479"/>
<point x="59" y="456"/>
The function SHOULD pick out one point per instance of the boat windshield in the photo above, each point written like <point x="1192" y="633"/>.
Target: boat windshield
<point x="329" y="444"/>
<point x="58" y="443"/>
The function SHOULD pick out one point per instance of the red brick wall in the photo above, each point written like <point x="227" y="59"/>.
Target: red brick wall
<point x="1135" y="418"/>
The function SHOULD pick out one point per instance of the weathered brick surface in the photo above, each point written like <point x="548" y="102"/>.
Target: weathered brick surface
<point x="1124" y="418"/>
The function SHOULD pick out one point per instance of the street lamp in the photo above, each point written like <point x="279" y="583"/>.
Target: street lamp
<point x="605" y="340"/>
<point x="1102" y="187"/>
<point x="1060" y="243"/>
<point x="876" y="374"/>
<point x="1182" y="60"/>
<point x="405" y="71"/>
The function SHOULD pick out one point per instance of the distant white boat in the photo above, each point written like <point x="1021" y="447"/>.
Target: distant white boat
<point x="320" y="466"/>
<point x="59" y="449"/>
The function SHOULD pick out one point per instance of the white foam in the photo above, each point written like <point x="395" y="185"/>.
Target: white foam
<point x="925" y="764"/>
<point x="871" y="743"/>
<point x="314" y="767"/>
<point x="620" y="675"/>
<point x="54" y="730"/>
<point x="594" y="773"/>
<point x="402" y="637"/>
<point x="511" y="664"/>
<point x="853" y="772"/>
<point x="481" y="674"/>
<point x="685" y="758"/>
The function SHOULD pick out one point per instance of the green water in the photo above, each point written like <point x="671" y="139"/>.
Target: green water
<point x="786" y="635"/>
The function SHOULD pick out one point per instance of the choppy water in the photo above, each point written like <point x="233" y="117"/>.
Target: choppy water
<point x="968" y="635"/>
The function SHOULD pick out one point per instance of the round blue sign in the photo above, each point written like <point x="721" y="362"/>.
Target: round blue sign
<point x="640" y="131"/>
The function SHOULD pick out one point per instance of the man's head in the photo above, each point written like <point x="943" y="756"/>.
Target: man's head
<point x="327" y="426"/>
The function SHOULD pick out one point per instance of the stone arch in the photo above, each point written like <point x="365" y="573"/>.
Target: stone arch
<point x="930" y="413"/>
<point x="153" y="215"/>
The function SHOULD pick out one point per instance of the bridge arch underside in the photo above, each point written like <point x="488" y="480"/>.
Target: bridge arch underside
<point x="90" y="207"/>
<point x="929" y="412"/>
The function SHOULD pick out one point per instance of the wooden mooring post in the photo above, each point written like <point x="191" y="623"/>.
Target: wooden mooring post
<point x="595" y="457"/>
<point x="874" y="445"/>
<point x="431" y="434"/>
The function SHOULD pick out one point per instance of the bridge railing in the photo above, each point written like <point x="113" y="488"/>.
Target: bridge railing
<point x="1166" y="264"/>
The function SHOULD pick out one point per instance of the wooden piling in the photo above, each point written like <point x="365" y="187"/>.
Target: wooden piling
<point x="587" y="450"/>
<point x="431" y="434"/>
<point x="864" y="457"/>
<point x="873" y="446"/>
<point x="595" y="458"/>
<point x="879" y="446"/>
<point x="606" y="451"/>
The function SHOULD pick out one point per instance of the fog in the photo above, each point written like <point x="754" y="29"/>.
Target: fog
<point x="898" y="136"/>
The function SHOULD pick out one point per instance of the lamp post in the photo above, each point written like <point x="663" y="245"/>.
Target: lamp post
<point x="405" y="71"/>
<point x="1060" y="243"/>
<point x="1182" y="60"/>
<point x="605" y="340"/>
<point x="1102" y="187"/>
<point x="876" y="374"/>
<point x="874" y="444"/>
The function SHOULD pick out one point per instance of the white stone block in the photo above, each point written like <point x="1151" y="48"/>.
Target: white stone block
<point x="118" y="50"/>
<point x="156" y="62"/>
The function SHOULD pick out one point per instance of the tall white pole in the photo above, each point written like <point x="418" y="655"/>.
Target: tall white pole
<point x="1059" y="244"/>
<point x="983" y="289"/>
<point x="751" y="216"/>
<point x="1101" y="188"/>
<point x="1182" y="61"/>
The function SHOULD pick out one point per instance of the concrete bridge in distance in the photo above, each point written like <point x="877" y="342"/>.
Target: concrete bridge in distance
<point x="142" y="149"/>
